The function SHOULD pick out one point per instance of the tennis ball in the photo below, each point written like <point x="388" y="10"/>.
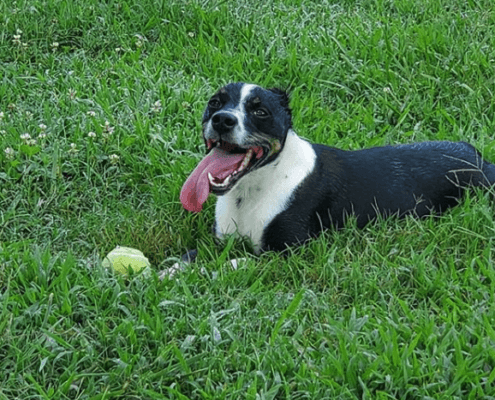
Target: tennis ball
<point x="121" y="259"/>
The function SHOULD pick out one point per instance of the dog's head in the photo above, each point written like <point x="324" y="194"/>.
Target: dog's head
<point x="244" y="128"/>
<point x="246" y="121"/>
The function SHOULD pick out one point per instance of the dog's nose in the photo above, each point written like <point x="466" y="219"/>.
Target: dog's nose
<point x="223" y="122"/>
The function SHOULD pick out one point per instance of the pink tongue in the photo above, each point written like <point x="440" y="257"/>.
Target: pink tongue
<point x="219" y="164"/>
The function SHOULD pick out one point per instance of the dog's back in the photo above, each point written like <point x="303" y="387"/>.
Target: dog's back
<point x="415" y="179"/>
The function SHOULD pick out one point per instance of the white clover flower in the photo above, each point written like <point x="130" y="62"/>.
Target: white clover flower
<point x="91" y="134"/>
<point x="42" y="136"/>
<point x="91" y="113"/>
<point x="25" y="137"/>
<point x="31" y="142"/>
<point x="55" y="46"/>
<point x="17" y="40"/>
<point x="157" y="106"/>
<point x="18" y="31"/>
<point x="73" y="149"/>
<point x="107" y="129"/>
<point x="140" y="40"/>
<point x="9" y="153"/>
<point x="191" y="34"/>
<point x="114" y="158"/>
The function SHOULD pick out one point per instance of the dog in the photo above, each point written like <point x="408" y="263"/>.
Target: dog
<point x="280" y="190"/>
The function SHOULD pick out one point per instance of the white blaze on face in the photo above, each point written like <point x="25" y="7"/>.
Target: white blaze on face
<point x="240" y="132"/>
<point x="245" y="91"/>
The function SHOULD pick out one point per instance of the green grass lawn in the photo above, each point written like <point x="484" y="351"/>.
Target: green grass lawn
<point x="100" y="110"/>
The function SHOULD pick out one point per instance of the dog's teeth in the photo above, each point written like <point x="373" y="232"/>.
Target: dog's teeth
<point x="224" y="183"/>
<point x="246" y="160"/>
<point x="216" y="184"/>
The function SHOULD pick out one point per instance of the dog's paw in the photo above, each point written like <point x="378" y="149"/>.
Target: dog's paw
<point x="188" y="258"/>
<point x="170" y="272"/>
<point x="237" y="262"/>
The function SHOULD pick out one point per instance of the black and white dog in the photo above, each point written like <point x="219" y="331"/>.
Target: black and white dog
<point x="278" y="189"/>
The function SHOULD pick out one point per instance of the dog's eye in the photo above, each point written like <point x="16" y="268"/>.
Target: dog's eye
<point x="260" y="112"/>
<point x="214" y="103"/>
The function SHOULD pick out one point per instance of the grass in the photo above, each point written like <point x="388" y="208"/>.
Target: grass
<point x="399" y="310"/>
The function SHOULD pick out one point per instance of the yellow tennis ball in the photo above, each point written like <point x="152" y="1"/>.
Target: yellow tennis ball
<point x="121" y="259"/>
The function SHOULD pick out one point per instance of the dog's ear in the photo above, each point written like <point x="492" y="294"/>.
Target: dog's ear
<point x="282" y="95"/>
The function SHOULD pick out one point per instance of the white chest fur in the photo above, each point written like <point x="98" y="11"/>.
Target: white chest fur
<point x="264" y="193"/>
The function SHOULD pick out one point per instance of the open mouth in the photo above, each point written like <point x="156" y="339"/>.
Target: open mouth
<point x="224" y="164"/>
<point x="236" y="162"/>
